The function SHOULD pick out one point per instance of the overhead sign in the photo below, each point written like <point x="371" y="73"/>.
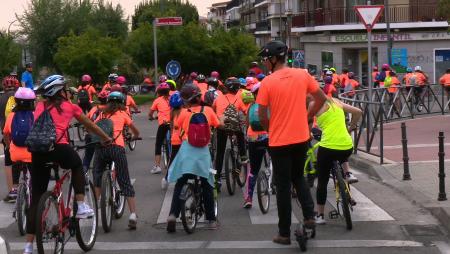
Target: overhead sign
<point x="369" y="14"/>
<point x="299" y="58"/>
<point x="169" y="21"/>
<point x="173" y="69"/>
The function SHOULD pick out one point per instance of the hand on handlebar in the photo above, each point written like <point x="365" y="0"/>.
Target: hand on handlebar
<point x="106" y="142"/>
<point x="136" y="138"/>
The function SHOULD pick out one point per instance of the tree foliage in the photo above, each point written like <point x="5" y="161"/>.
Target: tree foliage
<point x="89" y="53"/>
<point x="147" y="10"/>
<point x="444" y="9"/>
<point x="45" y="21"/>
<point x="10" y="53"/>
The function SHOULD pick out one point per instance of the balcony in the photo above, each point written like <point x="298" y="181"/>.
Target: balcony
<point x="263" y="25"/>
<point x="343" y="16"/>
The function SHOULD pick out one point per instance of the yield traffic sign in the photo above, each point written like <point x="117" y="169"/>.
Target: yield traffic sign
<point x="369" y="14"/>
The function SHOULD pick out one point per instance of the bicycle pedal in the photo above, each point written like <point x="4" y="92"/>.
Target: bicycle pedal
<point x="333" y="215"/>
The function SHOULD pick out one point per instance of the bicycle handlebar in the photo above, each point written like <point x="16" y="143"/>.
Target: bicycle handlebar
<point x="77" y="148"/>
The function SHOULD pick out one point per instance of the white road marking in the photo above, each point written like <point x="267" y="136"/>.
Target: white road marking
<point x="6" y="211"/>
<point x="443" y="247"/>
<point x="115" y="246"/>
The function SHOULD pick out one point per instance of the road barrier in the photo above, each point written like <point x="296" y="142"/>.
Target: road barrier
<point x="442" y="195"/>
<point x="406" y="174"/>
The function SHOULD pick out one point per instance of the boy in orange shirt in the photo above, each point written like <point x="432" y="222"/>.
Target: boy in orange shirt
<point x="445" y="82"/>
<point x="160" y="105"/>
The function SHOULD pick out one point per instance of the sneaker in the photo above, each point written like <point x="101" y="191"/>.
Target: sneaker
<point x="28" y="248"/>
<point x="156" y="170"/>
<point x="13" y="193"/>
<point x="320" y="219"/>
<point x="84" y="211"/>
<point x="11" y="197"/>
<point x="282" y="240"/>
<point x="132" y="221"/>
<point x="164" y="184"/>
<point x="211" y="225"/>
<point x="248" y="203"/>
<point x="171" y="224"/>
<point x="350" y="178"/>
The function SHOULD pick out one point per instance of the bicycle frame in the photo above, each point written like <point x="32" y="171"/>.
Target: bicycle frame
<point x="336" y="166"/>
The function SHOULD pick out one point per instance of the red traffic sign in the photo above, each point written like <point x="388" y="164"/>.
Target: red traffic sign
<point x="169" y="21"/>
<point x="369" y="14"/>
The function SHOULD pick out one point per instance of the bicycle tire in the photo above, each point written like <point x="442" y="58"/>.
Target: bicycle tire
<point x="81" y="132"/>
<point x="22" y="208"/>
<point x="119" y="200"/>
<point x="132" y="144"/>
<point x="230" y="180"/>
<point x="92" y="202"/>
<point x="189" y="205"/>
<point x="164" y="155"/>
<point x="345" y="202"/>
<point x="262" y="189"/>
<point x="241" y="179"/>
<point x="57" y="236"/>
<point x="106" y="203"/>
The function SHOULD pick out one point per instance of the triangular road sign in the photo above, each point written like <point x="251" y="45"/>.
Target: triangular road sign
<point x="369" y="14"/>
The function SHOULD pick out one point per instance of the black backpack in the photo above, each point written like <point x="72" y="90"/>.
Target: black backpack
<point x="83" y="96"/>
<point x="42" y="136"/>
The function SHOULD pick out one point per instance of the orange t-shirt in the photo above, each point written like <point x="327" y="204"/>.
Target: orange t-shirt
<point x="185" y="116"/>
<point x="93" y="111"/>
<point x="394" y="87"/>
<point x="374" y="76"/>
<point x="336" y="80"/>
<point x="421" y="79"/>
<point x="161" y="104"/>
<point x="344" y="79"/>
<point x="119" y="119"/>
<point x="18" y="154"/>
<point x="223" y="100"/>
<point x="91" y="91"/>
<point x="176" y="131"/>
<point x="284" y="93"/>
<point x="445" y="80"/>
<point x="107" y="87"/>
<point x="130" y="103"/>
<point x="406" y="78"/>
<point x="203" y="87"/>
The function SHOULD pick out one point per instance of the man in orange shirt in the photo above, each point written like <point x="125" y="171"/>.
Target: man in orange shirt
<point x="201" y="83"/>
<point x="343" y="78"/>
<point x="284" y="93"/>
<point x="445" y="81"/>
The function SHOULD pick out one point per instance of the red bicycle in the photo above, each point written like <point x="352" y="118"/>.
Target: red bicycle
<point x="57" y="223"/>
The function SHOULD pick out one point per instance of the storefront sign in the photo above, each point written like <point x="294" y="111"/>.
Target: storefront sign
<point x="399" y="60"/>
<point x="395" y="37"/>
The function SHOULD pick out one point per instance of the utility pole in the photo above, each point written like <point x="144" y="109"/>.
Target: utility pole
<point x="388" y="31"/>
<point x="280" y="25"/>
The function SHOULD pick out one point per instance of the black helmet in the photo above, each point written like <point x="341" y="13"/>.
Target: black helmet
<point x="214" y="82"/>
<point x="232" y="84"/>
<point x="190" y="91"/>
<point x="274" y="48"/>
<point x="201" y="78"/>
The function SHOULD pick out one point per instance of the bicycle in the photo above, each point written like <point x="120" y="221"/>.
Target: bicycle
<point x="264" y="185"/>
<point x="127" y="135"/>
<point x="310" y="168"/>
<point x="193" y="207"/>
<point x="166" y="150"/>
<point x="344" y="201"/>
<point x="23" y="198"/>
<point x="234" y="172"/>
<point x="56" y="215"/>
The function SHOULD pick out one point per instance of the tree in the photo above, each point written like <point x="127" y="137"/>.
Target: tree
<point x="147" y="10"/>
<point x="10" y="53"/>
<point x="87" y="53"/>
<point x="444" y="9"/>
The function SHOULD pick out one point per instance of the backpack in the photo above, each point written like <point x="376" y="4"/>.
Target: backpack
<point x="83" y="96"/>
<point x="231" y="117"/>
<point x="42" y="136"/>
<point x="20" y="127"/>
<point x="413" y="80"/>
<point x="199" y="132"/>
<point x="210" y="97"/>
<point x="388" y="81"/>
<point x="10" y="104"/>
<point x="381" y="76"/>
<point x="253" y="117"/>
<point x="107" y="126"/>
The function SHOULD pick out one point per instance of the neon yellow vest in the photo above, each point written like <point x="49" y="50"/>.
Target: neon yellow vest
<point x="334" y="130"/>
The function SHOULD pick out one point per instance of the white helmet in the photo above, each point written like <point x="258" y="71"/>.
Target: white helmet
<point x="417" y="68"/>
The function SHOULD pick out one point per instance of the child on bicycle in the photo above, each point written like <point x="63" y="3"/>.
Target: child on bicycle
<point x="160" y="105"/>
<point x="192" y="161"/>
<point x="176" y="104"/>
<point x="115" y="110"/>
<point x="258" y="143"/>
<point x="62" y="111"/>
<point x="336" y="144"/>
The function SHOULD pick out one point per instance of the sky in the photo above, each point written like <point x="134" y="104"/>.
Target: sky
<point x="8" y="8"/>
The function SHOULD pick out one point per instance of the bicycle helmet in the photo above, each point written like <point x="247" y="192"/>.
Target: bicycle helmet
<point x="215" y="74"/>
<point x="24" y="94"/>
<point x="232" y="84"/>
<point x="213" y="82"/>
<point x="86" y="78"/>
<point x="193" y="75"/>
<point x="116" y="96"/>
<point x="243" y="82"/>
<point x="148" y="81"/>
<point x="116" y="88"/>
<point x="260" y="76"/>
<point x="51" y="85"/>
<point x="201" y="78"/>
<point x="247" y="97"/>
<point x="273" y="48"/>
<point x="189" y="92"/>
<point x="332" y="69"/>
<point x="10" y="83"/>
<point x="409" y="70"/>
<point x="121" y="80"/>
<point x="29" y="65"/>
<point x="256" y="87"/>
<point x="375" y="68"/>
<point x="162" y="78"/>
<point x="163" y="86"/>
<point x="329" y="73"/>
<point x="172" y="84"/>
<point x="113" y="77"/>
<point x="175" y="100"/>
<point x="417" y="68"/>
<point x="351" y="75"/>
<point x="385" y="67"/>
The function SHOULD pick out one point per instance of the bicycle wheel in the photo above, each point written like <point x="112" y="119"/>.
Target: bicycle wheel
<point x="86" y="229"/>
<point x="241" y="178"/>
<point x="262" y="190"/>
<point x="106" y="202"/>
<point x="81" y="132"/>
<point x="189" y="217"/>
<point x="119" y="200"/>
<point x="131" y="142"/>
<point x="22" y="208"/>
<point x="230" y="180"/>
<point x="344" y="201"/>
<point x="49" y="238"/>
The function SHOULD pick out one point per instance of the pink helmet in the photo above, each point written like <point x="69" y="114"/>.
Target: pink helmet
<point x="163" y="86"/>
<point x="250" y="80"/>
<point x="385" y="67"/>
<point x="215" y="74"/>
<point x="162" y="78"/>
<point x="193" y="75"/>
<point x="121" y="80"/>
<point x="255" y="87"/>
<point x="86" y="78"/>
<point x="24" y="94"/>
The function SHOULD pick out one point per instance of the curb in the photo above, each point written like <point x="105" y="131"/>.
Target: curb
<point x="4" y="246"/>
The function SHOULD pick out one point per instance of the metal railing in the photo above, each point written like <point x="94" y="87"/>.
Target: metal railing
<point x="388" y="105"/>
<point x="344" y="15"/>
<point x="263" y="25"/>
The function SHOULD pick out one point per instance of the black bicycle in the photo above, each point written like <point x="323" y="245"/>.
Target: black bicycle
<point x="234" y="171"/>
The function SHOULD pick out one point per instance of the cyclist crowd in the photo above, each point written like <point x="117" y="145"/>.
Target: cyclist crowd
<point x="274" y="113"/>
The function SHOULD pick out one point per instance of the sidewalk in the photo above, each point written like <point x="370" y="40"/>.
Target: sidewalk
<point x="422" y="190"/>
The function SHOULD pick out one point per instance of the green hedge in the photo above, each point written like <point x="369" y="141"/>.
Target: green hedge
<point x="143" y="98"/>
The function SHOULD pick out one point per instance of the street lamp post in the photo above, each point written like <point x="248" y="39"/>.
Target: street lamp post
<point x="388" y="31"/>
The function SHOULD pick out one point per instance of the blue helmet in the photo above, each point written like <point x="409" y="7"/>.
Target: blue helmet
<point x="409" y="69"/>
<point x="175" y="100"/>
<point x="116" y="96"/>
<point x="260" y="76"/>
<point x="243" y="81"/>
<point x="51" y="85"/>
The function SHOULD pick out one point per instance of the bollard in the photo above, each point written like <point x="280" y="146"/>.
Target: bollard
<point x="406" y="174"/>
<point x="442" y="195"/>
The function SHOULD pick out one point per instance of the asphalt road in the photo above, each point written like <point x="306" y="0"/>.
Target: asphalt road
<point x="384" y="221"/>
